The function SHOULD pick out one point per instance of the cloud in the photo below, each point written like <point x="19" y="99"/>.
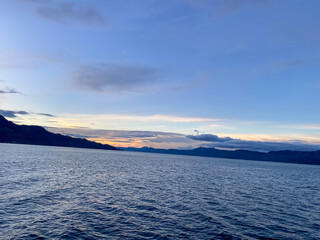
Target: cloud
<point x="110" y="119"/>
<point x="208" y="138"/>
<point x="279" y="66"/>
<point x="224" y="6"/>
<point x="127" y="138"/>
<point x="80" y="135"/>
<point x="114" y="78"/>
<point x="70" y="12"/>
<point x="235" y="5"/>
<point x="289" y="63"/>
<point x="123" y="138"/>
<point x="36" y="1"/>
<point x="12" y="114"/>
<point x="231" y="143"/>
<point x="10" y="91"/>
<point x="157" y="139"/>
<point x="169" y="118"/>
<point x="46" y="114"/>
<point x="300" y="126"/>
<point x="7" y="90"/>
<point x="66" y="12"/>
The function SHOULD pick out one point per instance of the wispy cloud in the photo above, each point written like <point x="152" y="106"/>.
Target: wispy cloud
<point x="114" y="78"/>
<point x="235" y="5"/>
<point x="224" y="6"/>
<point x="10" y="91"/>
<point x="69" y="12"/>
<point x="136" y="118"/>
<point x="14" y="114"/>
<point x="300" y="126"/>
<point x="279" y="66"/>
<point x="36" y="1"/>
<point x="167" y="123"/>
<point x="264" y="146"/>
<point x="46" y="114"/>
<point x="168" y="118"/>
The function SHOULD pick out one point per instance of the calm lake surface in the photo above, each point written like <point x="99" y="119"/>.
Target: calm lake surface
<point x="65" y="193"/>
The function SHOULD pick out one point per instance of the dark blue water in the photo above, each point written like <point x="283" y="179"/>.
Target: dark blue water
<point x="61" y="193"/>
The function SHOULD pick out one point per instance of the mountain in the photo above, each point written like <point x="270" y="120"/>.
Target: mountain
<point x="35" y="135"/>
<point x="273" y="156"/>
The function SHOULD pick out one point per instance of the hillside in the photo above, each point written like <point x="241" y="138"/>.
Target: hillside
<point x="274" y="156"/>
<point x="35" y="135"/>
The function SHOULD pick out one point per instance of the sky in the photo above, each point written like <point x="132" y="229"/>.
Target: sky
<point x="236" y="74"/>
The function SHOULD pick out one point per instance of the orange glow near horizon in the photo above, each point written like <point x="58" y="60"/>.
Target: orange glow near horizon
<point x="138" y="143"/>
<point x="118" y="142"/>
<point x="102" y="126"/>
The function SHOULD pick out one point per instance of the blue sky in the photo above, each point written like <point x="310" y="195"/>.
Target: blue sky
<point x="245" y="69"/>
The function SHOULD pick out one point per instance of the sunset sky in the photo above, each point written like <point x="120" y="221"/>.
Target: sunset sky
<point x="165" y="73"/>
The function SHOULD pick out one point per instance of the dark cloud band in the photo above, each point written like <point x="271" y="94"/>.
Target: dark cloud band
<point x="13" y="114"/>
<point x="114" y="78"/>
<point x="10" y="91"/>
<point x="231" y="143"/>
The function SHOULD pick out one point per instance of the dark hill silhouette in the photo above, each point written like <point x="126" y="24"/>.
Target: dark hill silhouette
<point x="35" y="135"/>
<point x="274" y="156"/>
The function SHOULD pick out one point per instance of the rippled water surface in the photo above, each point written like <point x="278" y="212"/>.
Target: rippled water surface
<point x="64" y="193"/>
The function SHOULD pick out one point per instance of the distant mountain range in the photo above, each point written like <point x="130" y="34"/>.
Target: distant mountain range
<point x="274" y="156"/>
<point x="35" y="135"/>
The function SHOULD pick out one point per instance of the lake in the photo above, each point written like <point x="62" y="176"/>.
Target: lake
<point x="68" y="193"/>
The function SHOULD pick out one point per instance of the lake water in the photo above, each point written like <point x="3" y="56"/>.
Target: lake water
<point x="65" y="193"/>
